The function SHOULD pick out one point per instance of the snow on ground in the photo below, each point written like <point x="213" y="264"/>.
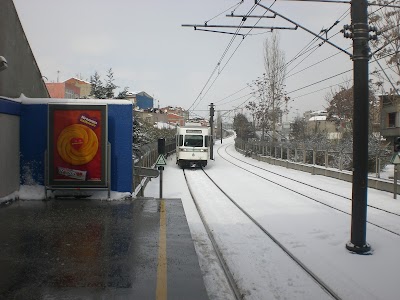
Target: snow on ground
<point x="315" y="233"/>
<point x="319" y="241"/>
<point x="37" y="192"/>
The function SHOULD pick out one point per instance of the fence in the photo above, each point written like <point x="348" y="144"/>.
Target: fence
<point x="147" y="159"/>
<point x="327" y="158"/>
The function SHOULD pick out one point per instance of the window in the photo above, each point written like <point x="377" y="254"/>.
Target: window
<point x="194" y="140"/>
<point x="392" y="119"/>
<point x="207" y="140"/>
<point x="180" y="141"/>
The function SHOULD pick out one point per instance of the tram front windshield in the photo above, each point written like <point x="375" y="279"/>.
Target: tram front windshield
<point x="194" y="140"/>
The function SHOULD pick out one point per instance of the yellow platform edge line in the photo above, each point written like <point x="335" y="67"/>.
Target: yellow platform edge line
<point x="161" y="290"/>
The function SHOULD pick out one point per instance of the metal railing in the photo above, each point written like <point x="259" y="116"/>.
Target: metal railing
<point x="328" y="158"/>
<point x="147" y="158"/>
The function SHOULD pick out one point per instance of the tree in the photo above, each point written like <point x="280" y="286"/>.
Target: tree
<point x="122" y="94"/>
<point x="262" y="106"/>
<point x="253" y="108"/>
<point x="145" y="133"/>
<point x="299" y="131"/>
<point x="275" y="74"/>
<point x="97" y="91"/>
<point x="269" y="88"/>
<point x="387" y="20"/>
<point x="340" y="106"/>
<point x="110" y="86"/>
<point x="242" y="126"/>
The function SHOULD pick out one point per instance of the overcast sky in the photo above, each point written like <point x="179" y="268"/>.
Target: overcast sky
<point x="148" y="49"/>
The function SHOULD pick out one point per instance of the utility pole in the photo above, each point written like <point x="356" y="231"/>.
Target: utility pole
<point x="212" y="131"/>
<point x="221" y="131"/>
<point x="360" y="33"/>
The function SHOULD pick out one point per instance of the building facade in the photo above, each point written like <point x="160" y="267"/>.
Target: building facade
<point x="22" y="75"/>
<point x="84" y="87"/>
<point x="390" y="116"/>
<point x="176" y="115"/>
<point x="140" y="100"/>
<point x="63" y="90"/>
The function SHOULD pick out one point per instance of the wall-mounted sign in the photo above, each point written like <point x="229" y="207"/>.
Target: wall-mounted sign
<point x="77" y="145"/>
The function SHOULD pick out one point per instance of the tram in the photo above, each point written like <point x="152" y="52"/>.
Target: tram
<point x="193" y="146"/>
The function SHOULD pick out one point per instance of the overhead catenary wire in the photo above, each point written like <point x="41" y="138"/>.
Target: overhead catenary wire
<point x="201" y="95"/>
<point x="310" y="49"/>
<point x="218" y="64"/>
<point x="343" y="2"/>
<point x="233" y="6"/>
<point x="226" y="50"/>
<point x="315" y="83"/>
<point x="247" y="86"/>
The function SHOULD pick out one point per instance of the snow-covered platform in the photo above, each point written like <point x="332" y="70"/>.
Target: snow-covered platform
<point x="79" y="248"/>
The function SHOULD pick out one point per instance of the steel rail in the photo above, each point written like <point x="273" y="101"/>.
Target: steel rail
<point x="306" y="196"/>
<point x="232" y="283"/>
<point x="318" y="280"/>
<point x="309" y="185"/>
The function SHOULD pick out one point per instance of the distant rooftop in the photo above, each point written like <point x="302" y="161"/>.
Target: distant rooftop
<point x="318" y="118"/>
<point x="81" y="80"/>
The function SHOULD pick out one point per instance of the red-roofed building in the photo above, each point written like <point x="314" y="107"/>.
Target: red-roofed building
<point x="175" y="119"/>
<point x="176" y="115"/>
<point x="63" y="90"/>
<point x="84" y="86"/>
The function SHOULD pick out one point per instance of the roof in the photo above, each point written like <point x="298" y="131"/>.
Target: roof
<point x="77" y="79"/>
<point x="318" y="118"/>
<point x="141" y="93"/>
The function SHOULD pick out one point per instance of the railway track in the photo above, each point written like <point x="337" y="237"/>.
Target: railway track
<point x="199" y="182"/>
<point x="297" y="188"/>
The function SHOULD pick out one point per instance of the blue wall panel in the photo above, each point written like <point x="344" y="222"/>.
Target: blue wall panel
<point x="34" y="143"/>
<point x="120" y="137"/>
<point x="10" y="107"/>
<point x="144" y="102"/>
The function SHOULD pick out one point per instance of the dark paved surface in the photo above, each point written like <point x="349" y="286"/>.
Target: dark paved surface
<point x="89" y="249"/>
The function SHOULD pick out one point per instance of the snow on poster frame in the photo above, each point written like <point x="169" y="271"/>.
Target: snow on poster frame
<point x="77" y="152"/>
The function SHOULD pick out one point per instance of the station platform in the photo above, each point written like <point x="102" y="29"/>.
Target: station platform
<point x="92" y="249"/>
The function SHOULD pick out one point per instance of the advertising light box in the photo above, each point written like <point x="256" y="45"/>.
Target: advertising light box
<point x="77" y="145"/>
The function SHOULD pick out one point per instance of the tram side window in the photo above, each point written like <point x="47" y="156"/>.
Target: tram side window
<point x="207" y="141"/>
<point x="194" y="140"/>
<point x="180" y="140"/>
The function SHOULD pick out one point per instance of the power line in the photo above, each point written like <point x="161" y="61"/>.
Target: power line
<point x="237" y="5"/>
<point x="289" y="76"/>
<point x="216" y="102"/>
<point x="304" y="28"/>
<point x="342" y="1"/>
<point x="371" y="73"/>
<point x="319" y="81"/>
<point x="238" y="29"/>
<point x="219" y="62"/>
<point x="315" y="63"/>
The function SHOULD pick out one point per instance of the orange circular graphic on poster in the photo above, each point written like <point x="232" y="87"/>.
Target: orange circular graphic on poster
<point x="77" y="144"/>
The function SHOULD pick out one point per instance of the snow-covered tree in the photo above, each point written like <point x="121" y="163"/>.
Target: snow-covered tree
<point x="97" y="87"/>
<point x="122" y="94"/>
<point x="110" y="86"/>
<point x="242" y="127"/>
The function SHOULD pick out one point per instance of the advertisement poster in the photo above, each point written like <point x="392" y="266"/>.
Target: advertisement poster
<point x="77" y="145"/>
